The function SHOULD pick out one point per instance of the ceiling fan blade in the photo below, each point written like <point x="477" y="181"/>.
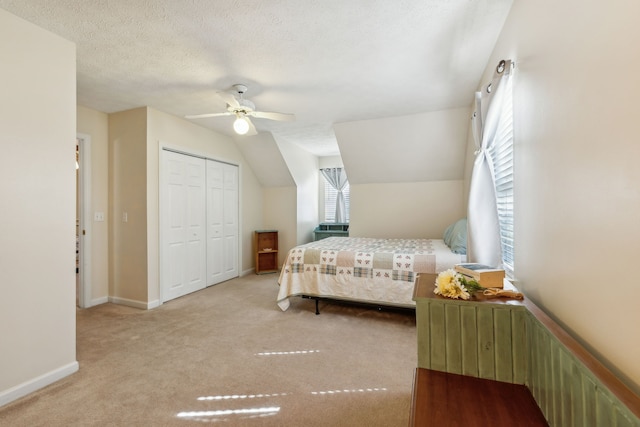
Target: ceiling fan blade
<point x="283" y="117"/>
<point x="252" y="129"/>
<point x="202" y="116"/>
<point x="229" y="98"/>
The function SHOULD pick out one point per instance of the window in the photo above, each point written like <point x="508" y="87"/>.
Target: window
<point x="330" y="196"/>
<point x="502" y="155"/>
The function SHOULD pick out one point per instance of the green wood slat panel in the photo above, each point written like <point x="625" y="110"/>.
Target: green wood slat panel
<point x="589" y="399"/>
<point x="563" y="411"/>
<point x="556" y="375"/>
<point x="529" y="354"/>
<point x="486" y="344"/>
<point x="424" y="336"/>
<point x="540" y="368"/>
<point x="623" y="418"/>
<point x="494" y="341"/>
<point x="534" y="361"/>
<point x="578" y="410"/>
<point x="604" y="409"/>
<point x="469" y="334"/>
<point x="547" y="372"/>
<point x="453" y="339"/>
<point x="519" y="341"/>
<point x="503" y="345"/>
<point x="437" y="343"/>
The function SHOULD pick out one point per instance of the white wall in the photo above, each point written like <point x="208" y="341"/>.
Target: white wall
<point x="577" y="180"/>
<point x="417" y="148"/>
<point x="37" y="183"/>
<point x="406" y="173"/>
<point x="405" y="210"/>
<point x="330" y="162"/>
<point x="96" y="125"/>
<point x="304" y="170"/>
<point x="263" y="155"/>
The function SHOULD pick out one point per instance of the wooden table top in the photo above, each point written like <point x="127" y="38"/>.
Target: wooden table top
<point x="425" y="284"/>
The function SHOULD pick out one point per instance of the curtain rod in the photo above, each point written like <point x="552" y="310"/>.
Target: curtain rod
<point x="502" y="65"/>
<point x="500" y="68"/>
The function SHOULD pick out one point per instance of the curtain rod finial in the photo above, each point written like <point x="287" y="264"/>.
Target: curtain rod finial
<point x="501" y="66"/>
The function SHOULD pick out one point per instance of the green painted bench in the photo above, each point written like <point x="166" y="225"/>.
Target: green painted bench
<point x="515" y="342"/>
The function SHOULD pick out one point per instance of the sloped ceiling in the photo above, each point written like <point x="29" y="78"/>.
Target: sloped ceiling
<point x="330" y="61"/>
<point x="262" y="153"/>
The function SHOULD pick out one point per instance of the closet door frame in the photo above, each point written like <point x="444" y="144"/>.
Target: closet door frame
<point x="163" y="146"/>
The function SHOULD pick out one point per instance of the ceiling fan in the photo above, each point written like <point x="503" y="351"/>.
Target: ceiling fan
<point x="242" y="109"/>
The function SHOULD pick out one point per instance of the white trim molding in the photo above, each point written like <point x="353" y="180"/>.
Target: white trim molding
<point x="98" y="301"/>
<point x="134" y="303"/>
<point x="86" y="220"/>
<point x="37" y="383"/>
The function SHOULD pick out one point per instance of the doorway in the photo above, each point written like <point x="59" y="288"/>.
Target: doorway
<point x="83" y="220"/>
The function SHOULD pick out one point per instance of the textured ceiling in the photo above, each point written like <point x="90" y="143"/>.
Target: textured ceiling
<point x="326" y="61"/>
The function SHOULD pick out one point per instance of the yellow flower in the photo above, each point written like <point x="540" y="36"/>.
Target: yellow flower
<point x="445" y="281"/>
<point x="448" y="284"/>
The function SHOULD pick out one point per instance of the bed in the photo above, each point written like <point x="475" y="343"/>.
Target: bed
<point x="360" y="269"/>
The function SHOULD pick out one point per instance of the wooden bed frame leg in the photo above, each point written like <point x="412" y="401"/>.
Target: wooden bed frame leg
<point x="317" y="311"/>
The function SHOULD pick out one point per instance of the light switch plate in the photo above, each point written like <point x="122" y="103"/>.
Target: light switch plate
<point x="98" y="216"/>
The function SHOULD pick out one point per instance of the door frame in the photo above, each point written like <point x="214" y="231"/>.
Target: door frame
<point x="84" y="224"/>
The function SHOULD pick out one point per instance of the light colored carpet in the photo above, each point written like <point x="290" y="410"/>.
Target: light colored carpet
<point x="228" y="355"/>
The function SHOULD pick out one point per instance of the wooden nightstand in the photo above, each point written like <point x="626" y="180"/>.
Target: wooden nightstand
<point x="265" y="244"/>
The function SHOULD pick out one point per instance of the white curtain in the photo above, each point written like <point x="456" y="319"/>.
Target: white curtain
<point x="483" y="227"/>
<point x="337" y="178"/>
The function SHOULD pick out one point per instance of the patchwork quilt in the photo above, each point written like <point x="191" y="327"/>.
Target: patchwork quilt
<point x="362" y="269"/>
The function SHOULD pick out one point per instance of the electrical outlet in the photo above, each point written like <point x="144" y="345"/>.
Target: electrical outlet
<point x="125" y="217"/>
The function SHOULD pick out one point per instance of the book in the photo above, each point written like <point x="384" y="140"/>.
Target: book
<point x="486" y="276"/>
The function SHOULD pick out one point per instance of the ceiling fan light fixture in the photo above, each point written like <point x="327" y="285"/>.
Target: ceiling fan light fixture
<point x="241" y="125"/>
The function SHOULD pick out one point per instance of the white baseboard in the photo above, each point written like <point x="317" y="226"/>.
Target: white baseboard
<point x="247" y="272"/>
<point x="37" y="383"/>
<point x="99" y="301"/>
<point x="134" y="303"/>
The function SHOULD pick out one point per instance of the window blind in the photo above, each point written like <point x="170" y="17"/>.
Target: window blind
<point x="502" y="156"/>
<point x="330" y="195"/>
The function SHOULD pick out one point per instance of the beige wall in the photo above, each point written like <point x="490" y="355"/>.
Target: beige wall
<point x="96" y="125"/>
<point x="128" y="195"/>
<point x="280" y="214"/>
<point x="252" y="216"/>
<point x="136" y="138"/>
<point x="37" y="183"/>
<point x="405" y="210"/>
<point x="175" y="132"/>
<point x="577" y="181"/>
